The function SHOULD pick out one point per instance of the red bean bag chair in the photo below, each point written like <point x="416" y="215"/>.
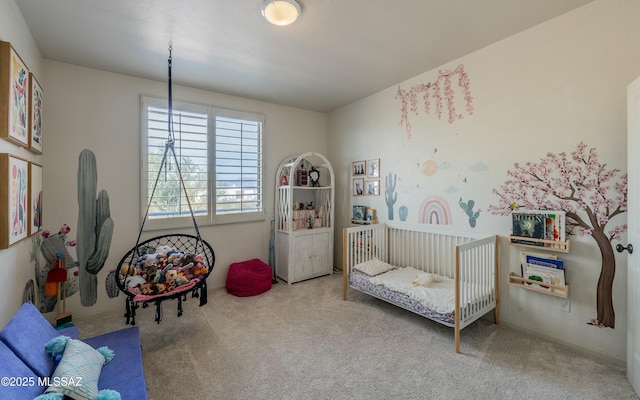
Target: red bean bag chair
<point x="249" y="278"/>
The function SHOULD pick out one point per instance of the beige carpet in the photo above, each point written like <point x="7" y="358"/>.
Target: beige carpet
<point x="302" y="341"/>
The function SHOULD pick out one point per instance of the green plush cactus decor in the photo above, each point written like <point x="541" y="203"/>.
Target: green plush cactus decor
<point x="390" y="194"/>
<point x="95" y="228"/>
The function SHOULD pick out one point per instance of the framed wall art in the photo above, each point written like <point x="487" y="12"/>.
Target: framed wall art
<point x="35" y="198"/>
<point x="358" y="186"/>
<point x="14" y="96"/>
<point x="14" y="212"/>
<point x="372" y="187"/>
<point x="358" y="168"/>
<point x="373" y="168"/>
<point x="35" y="115"/>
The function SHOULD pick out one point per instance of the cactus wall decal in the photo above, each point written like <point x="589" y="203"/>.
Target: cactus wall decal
<point x="403" y="212"/>
<point x="468" y="209"/>
<point x="390" y="194"/>
<point x="95" y="228"/>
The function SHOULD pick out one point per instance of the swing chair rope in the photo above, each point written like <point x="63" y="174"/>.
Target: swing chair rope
<point x="169" y="145"/>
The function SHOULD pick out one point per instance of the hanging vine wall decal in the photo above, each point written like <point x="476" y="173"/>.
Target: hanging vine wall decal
<point x="439" y="91"/>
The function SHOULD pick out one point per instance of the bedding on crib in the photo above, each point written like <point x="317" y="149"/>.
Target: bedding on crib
<point x="401" y="287"/>
<point x="450" y="278"/>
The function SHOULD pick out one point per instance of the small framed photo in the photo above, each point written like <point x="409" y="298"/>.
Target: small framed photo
<point x="358" y="168"/>
<point x="373" y="168"/>
<point x="358" y="186"/>
<point x="372" y="187"/>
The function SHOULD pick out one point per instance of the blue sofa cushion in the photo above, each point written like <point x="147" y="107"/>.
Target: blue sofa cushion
<point x="124" y="373"/>
<point x="22" y="382"/>
<point x="26" y="334"/>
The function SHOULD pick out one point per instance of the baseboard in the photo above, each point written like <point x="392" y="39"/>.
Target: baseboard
<point x="594" y="352"/>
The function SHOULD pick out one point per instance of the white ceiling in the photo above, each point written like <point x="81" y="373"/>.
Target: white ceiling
<point x="338" y="52"/>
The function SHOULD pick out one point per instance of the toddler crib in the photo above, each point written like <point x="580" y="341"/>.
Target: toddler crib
<point x="448" y="277"/>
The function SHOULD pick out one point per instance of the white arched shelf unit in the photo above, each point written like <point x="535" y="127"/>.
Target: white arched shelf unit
<point x="304" y="221"/>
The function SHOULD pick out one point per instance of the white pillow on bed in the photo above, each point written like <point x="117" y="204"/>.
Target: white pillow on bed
<point x="373" y="267"/>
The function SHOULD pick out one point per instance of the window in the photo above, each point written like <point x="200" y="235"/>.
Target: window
<point x="218" y="153"/>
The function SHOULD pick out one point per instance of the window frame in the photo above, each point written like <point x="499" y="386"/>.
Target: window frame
<point x="211" y="218"/>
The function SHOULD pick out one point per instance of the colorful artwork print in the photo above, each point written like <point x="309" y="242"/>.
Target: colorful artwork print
<point x="18" y="177"/>
<point x="35" y="198"/>
<point x="14" y="200"/>
<point x="35" y="115"/>
<point x="589" y="192"/>
<point x="435" y="211"/>
<point x="439" y="92"/>
<point x="14" y="96"/>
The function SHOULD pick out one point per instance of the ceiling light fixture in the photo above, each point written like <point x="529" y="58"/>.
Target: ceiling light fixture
<point x="281" y="12"/>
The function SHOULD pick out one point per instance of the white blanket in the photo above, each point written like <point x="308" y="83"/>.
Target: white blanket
<point x="439" y="296"/>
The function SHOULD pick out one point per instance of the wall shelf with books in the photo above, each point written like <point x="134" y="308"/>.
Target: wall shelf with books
<point x="541" y="244"/>
<point x="534" y="285"/>
<point x="540" y="229"/>
<point x="363" y="221"/>
<point x="363" y="215"/>
<point x="541" y="272"/>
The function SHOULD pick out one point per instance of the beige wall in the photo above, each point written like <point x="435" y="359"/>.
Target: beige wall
<point x="100" y="111"/>
<point x="15" y="262"/>
<point x="543" y="90"/>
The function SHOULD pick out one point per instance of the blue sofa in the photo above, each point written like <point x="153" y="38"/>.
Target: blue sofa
<point x="24" y="361"/>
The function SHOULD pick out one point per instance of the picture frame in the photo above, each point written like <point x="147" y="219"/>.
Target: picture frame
<point x="372" y="187"/>
<point x="373" y="168"/>
<point x="35" y="198"/>
<point x="358" y="168"/>
<point x="35" y="115"/>
<point x="358" y="186"/>
<point x="13" y="199"/>
<point x="14" y="96"/>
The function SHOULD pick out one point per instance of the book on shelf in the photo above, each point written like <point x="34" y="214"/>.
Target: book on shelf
<point x="543" y="274"/>
<point x="525" y="253"/>
<point x="528" y="225"/>
<point x="549" y="225"/>
<point x="358" y="212"/>
<point x="545" y="262"/>
<point x="542" y="267"/>
<point x="370" y="214"/>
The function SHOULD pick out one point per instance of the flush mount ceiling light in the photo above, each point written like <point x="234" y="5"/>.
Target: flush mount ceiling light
<point x="281" y="12"/>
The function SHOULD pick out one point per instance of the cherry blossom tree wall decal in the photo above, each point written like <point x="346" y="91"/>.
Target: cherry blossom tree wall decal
<point x="439" y="91"/>
<point x="591" y="195"/>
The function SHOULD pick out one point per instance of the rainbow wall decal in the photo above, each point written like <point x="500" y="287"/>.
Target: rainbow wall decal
<point x="435" y="211"/>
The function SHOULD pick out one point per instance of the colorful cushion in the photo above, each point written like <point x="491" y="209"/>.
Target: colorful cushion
<point x="249" y="278"/>
<point x="79" y="369"/>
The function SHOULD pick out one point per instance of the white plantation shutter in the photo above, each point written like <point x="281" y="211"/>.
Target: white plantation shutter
<point x="238" y="165"/>
<point x="220" y="158"/>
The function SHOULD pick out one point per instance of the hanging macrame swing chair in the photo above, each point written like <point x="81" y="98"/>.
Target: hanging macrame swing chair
<point x="166" y="267"/>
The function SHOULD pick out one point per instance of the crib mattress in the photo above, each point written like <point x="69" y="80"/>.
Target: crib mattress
<point x="364" y="283"/>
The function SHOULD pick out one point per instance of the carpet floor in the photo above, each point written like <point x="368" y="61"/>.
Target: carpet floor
<point x="303" y="341"/>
